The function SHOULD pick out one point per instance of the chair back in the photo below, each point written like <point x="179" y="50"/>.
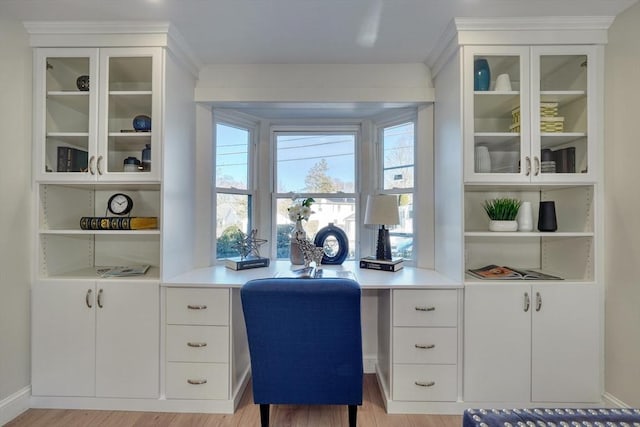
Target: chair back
<point x="305" y="340"/>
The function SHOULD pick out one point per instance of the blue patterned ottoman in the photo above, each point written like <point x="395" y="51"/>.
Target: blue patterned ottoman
<point x="551" y="417"/>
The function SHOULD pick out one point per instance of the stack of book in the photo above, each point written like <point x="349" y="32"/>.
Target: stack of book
<point x="239" y="263"/>
<point x="118" y="223"/>
<point x="372" y="263"/>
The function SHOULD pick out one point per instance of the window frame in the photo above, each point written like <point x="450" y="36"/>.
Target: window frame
<point x="236" y="120"/>
<point x="389" y="121"/>
<point x="328" y="128"/>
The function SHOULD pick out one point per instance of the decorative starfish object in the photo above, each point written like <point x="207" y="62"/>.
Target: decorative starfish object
<point x="249" y="245"/>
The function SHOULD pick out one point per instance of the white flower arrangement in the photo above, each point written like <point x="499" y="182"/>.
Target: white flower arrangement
<point x="300" y="211"/>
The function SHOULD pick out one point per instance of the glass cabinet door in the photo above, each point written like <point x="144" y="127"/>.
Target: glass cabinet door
<point x="131" y="119"/>
<point x="66" y="101"/>
<point x="496" y="98"/>
<point x="560" y="132"/>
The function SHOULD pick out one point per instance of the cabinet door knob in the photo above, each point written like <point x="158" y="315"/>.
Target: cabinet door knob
<point x="99" y="165"/>
<point x="86" y="298"/>
<point x="538" y="301"/>
<point x="527" y="161"/>
<point x="100" y="298"/>
<point x="92" y="168"/>
<point x="425" y="308"/>
<point x="196" y="307"/>
<point x="536" y="169"/>
<point x="425" y="384"/>
<point x="527" y="302"/>
<point x="425" y="346"/>
<point x="197" y="382"/>
<point x="197" y="344"/>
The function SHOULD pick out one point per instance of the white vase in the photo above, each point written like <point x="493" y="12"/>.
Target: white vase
<point x="295" y="252"/>
<point x="525" y="217"/>
<point x="503" y="225"/>
<point x="482" y="160"/>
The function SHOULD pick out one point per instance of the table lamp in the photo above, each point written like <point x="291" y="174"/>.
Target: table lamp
<point x="382" y="210"/>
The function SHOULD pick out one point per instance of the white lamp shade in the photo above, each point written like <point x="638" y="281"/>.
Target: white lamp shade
<point x="382" y="210"/>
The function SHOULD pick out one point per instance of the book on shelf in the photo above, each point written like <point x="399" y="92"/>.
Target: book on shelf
<point x="239" y="263"/>
<point x="565" y="159"/>
<point x="72" y="160"/>
<point x="122" y="271"/>
<point x="370" y="262"/>
<point x="118" y="223"/>
<point x="496" y="272"/>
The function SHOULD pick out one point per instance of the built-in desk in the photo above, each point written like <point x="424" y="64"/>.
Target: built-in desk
<point x="410" y="334"/>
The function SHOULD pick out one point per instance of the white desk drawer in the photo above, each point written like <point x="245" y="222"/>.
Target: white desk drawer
<point x="197" y="381"/>
<point x="425" y="307"/>
<point x="197" y="306"/>
<point x="425" y="345"/>
<point x="197" y="343"/>
<point x="435" y="383"/>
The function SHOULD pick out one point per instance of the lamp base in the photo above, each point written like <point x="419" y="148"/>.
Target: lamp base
<point x="383" y="248"/>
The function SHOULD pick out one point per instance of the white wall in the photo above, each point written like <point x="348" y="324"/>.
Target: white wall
<point x="622" y="209"/>
<point x="15" y="211"/>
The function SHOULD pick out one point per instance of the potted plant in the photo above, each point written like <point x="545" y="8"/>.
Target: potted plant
<point x="502" y="213"/>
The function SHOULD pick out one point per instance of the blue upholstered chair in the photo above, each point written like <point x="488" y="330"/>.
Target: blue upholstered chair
<point x="305" y="342"/>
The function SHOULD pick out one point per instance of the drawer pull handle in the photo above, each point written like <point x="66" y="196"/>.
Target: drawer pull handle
<point x="425" y="308"/>
<point x="197" y="382"/>
<point x="196" y="307"/>
<point x="86" y="298"/>
<point x="423" y="384"/>
<point x="425" y="346"/>
<point x="197" y="344"/>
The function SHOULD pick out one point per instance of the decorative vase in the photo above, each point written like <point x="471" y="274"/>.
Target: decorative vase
<point x="547" y="216"/>
<point x="483" y="159"/>
<point x="295" y="252"/>
<point x="525" y="217"/>
<point x="142" y="123"/>
<point x="82" y="83"/>
<point x="503" y="225"/>
<point x="481" y="75"/>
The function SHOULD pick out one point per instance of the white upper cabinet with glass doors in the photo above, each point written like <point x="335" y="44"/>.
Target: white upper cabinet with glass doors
<point x="536" y="120"/>
<point x="86" y="103"/>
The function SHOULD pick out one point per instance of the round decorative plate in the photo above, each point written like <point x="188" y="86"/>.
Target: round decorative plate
<point x="334" y="242"/>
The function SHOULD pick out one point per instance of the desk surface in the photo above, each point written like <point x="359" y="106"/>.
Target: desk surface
<point x="407" y="278"/>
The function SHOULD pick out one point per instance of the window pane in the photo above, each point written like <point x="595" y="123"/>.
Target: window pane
<point x="315" y="163"/>
<point x="398" y="143"/>
<point x="232" y="216"/>
<point x="232" y="154"/>
<point x="401" y="235"/>
<point x="339" y="211"/>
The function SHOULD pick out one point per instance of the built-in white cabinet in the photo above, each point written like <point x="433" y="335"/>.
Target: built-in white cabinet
<point x="85" y="103"/>
<point x="532" y="342"/>
<point x="539" y="120"/>
<point x="95" y="338"/>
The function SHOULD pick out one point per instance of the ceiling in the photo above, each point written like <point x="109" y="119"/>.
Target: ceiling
<point x="304" y="31"/>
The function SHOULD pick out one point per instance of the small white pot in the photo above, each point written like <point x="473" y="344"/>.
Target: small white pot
<point x="503" y="225"/>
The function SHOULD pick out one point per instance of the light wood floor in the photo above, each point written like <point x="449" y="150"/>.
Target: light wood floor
<point x="370" y="414"/>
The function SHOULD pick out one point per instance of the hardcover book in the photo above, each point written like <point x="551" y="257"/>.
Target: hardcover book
<point x="239" y="263"/>
<point x="72" y="160"/>
<point x="372" y="263"/>
<point x="118" y="223"/>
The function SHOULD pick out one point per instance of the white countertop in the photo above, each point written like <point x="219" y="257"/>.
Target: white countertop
<point x="408" y="277"/>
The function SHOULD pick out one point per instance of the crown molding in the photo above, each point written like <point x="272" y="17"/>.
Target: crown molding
<point x="113" y="33"/>
<point x="518" y="30"/>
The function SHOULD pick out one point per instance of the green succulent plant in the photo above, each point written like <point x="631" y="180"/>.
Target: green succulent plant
<point x="502" y="209"/>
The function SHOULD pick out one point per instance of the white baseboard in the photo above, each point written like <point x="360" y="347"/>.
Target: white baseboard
<point x="14" y="405"/>
<point x="613" y="402"/>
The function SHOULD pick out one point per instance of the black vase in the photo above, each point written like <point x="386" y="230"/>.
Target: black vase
<point x="547" y="217"/>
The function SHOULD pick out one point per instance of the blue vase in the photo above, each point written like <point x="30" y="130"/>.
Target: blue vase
<point x="142" y="123"/>
<point x="481" y="75"/>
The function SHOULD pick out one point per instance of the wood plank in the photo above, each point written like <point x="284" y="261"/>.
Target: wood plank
<point x="370" y="414"/>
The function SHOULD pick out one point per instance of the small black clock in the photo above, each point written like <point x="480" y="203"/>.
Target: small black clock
<point x="120" y="204"/>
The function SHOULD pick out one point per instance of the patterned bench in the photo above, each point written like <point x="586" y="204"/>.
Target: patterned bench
<point x="551" y="417"/>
